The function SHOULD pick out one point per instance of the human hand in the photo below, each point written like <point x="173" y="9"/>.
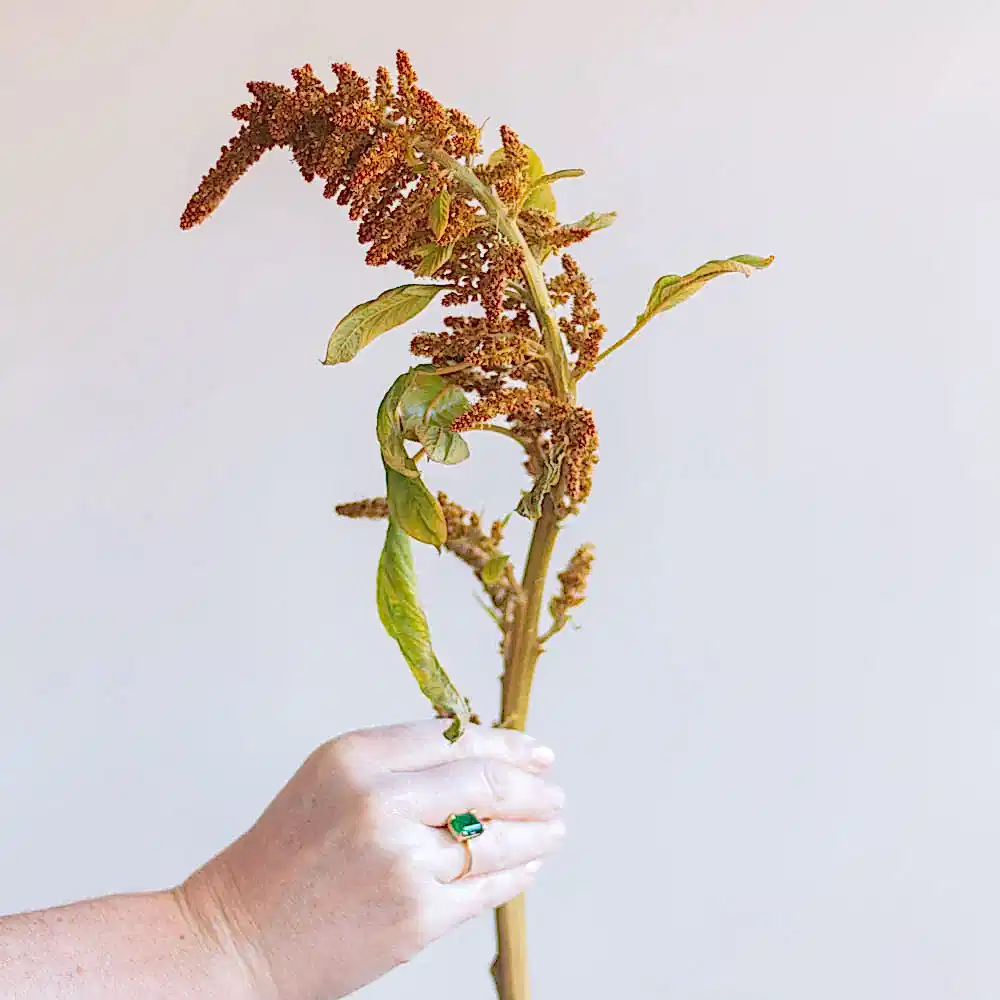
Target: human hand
<point x="347" y="874"/>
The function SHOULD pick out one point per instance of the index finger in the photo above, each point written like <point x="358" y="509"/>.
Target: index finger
<point x="415" y="746"/>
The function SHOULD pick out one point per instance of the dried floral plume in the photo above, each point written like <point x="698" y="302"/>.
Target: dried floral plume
<point x="369" y="145"/>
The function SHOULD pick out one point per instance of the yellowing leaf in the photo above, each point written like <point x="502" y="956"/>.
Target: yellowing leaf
<point x="432" y="257"/>
<point x="439" y="212"/>
<point x="415" y="509"/>
<point x="560" y="175"/>
<point x="539" y="198"/>
<point x="672" y="289"/>
<point x="370" y="319"/>
<point x="403" y="618"/>
<point x="594" y="221"/>
<point x="494" y="568"/>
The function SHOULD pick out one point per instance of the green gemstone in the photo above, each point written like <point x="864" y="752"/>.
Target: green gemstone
<point x="465" y="826"/>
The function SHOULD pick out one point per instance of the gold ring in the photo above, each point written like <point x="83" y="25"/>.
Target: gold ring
<point x="465" y="827"/>
<point x="467" y="867"/>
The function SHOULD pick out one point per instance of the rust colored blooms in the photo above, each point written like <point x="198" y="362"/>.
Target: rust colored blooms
<point x="369" y="145"/>
<point x="572" y="586"/>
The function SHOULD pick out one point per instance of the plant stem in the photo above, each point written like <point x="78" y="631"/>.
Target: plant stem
<point x="530" y="268"/>
<point x="523" y="649"/>
<point x="505" y="431"/>
<point x="614" y="347"/>
<point x="510" y="969"/>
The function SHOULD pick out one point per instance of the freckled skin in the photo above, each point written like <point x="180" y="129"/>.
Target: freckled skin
<point x="347" y="874"/>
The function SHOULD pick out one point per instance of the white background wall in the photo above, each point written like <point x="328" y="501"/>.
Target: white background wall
<point x="778" y="726"/>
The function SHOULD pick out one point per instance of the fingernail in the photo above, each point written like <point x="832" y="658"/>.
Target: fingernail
<point x="532" y="866"/>
<point x="542" y="755"/>
<point x="557" y="829"/>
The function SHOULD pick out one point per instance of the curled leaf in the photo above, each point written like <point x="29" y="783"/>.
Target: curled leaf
<point x="370" y="319"/>
<point x="415" y="509"/>
<point x="672" y="289"/>
<point x="421" y="406"/>
<point x="559" y="175"/>
<point x="439" y="212"/>
<point x="433" y="257"/>
<point x="593" y="221"/>
<point x="389" y="428"/>
<point x="530" y="504"/>
<point x="428" y="407"/>
<point x="403" y="618"/>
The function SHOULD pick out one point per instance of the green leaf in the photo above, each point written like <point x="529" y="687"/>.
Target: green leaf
<point x="560" y="175"/>
<point x="421" y="406"/>
<point x="439" y="212"/>
<point x="433" y="257"/>
<point x="594" y="221"/>
<point x="493" y="569"/>
<point x="370" y="319"/>
<point x="389" y="428"/>
<point x="403" y="618"/>
<point x="415" y="509"/>
<point x="673" y="289"/>
<point x="427" y="408"/>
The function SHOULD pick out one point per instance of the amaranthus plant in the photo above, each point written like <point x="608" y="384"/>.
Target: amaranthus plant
<point x="515" y="348"/>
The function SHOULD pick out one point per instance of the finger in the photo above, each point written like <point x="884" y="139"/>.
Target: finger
<point x="414" y="746"/>
<point x="492" y="789"/>
<point x="472" y="896"/>
<point x="502" y="845"/>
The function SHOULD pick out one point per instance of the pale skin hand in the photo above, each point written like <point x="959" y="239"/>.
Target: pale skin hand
<point x="346" y="875"/>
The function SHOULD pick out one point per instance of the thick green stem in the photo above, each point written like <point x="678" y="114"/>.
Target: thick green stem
<point x="510" y="968"/>
<point x="523" y="648"/>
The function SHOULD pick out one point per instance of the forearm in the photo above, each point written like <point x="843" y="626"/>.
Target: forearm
<point x="144" y="947"/>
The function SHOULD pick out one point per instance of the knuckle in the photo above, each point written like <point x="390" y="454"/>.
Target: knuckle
<point x="503" y="839"/>
<point x="499" y="780"/>
<point x="377" y="806"/>
<point x="345" y="752"/>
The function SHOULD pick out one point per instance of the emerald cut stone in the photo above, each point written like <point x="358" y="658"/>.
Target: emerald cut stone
<point x="465" y="826"/>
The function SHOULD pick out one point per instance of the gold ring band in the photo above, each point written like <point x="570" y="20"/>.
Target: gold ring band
<point x="467" y="867"/>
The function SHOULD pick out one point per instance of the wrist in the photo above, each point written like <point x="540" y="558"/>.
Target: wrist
<point x="231" y="961"/>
